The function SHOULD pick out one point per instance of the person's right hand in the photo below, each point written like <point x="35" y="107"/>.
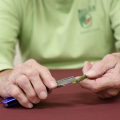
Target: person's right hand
<point x="27" y="83"/>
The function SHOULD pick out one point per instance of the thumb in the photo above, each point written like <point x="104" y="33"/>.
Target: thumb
<point x="101" y="67"/>
<point x="87" y="67"/>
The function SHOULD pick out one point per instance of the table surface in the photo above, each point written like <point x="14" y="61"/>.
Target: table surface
<point x="66" y="103"/>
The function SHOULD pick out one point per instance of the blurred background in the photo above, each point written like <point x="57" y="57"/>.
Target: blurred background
<point x="17" y="59"/>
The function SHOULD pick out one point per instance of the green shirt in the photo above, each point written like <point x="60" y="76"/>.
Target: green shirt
<point x="59" y="34"/>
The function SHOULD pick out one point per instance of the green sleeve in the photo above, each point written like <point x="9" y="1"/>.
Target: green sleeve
<point x="9" y="31"/>
<point x="115" y="21"/>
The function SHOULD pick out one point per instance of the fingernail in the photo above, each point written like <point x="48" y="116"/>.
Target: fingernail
<point x="37" y="100"/>
<point x="30" y="105"/>
<point x="53" y="84"/>
<point x="43" y="95"/>
<point x="90" y="73"/>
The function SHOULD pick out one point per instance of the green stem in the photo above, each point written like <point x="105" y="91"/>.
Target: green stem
<point x="80" y="79"/>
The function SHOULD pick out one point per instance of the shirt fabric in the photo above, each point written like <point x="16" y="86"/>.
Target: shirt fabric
<point x="59" y="34"/>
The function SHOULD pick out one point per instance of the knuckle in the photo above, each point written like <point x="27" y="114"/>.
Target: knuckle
<point x="33" y="72"/>
<point x="11" y="78"/>
<point x="40" y="88"/>
<point x="22" y="80"/>
<point x="24" y="102"/>
<point x="15" y="93"/>
<point x="19" y="67"/>
<point x="97" y="66"/>
<point x="32" y="96"/>
<point x="110" y="57"/>
<point x="31" y="61"/>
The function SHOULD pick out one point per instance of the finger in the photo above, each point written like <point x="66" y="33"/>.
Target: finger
<point x="87" y="67"/>
<point x="44" y="73"/>
<point x="17" y="93"/>
<point x="26" y="86"/>
<point x="98" y="84"/>
<point x="101" y="67"/>
<point x="113" y="92"/>
<point x="88" y="84"/>
<point x="39" y="87"/>
<point x="47" y="78"/>
<point x="108" y="93"/>
<point x="104" y="96"/>
<point x="33" y="76"/>
<point x="101" y="95"/>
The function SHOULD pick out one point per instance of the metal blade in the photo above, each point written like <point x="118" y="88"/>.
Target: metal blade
<point x="65" y="81"/>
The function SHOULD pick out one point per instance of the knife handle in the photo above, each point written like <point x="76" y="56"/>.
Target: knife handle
<point x="10" y="101"/>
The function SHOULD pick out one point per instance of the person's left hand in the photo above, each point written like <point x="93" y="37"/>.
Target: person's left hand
<point x="104" y="76"/>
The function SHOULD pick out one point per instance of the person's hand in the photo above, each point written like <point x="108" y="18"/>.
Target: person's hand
<point x="104" y="76"/>
<point x="27" y="83"/>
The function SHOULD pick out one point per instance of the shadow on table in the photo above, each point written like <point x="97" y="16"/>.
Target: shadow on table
<point x="72" y="100"/>
<point x="59" y="101"/>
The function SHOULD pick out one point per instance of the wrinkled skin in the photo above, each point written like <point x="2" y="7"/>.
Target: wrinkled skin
<point x="26" y="83"/>
<point x="104" y="76"/>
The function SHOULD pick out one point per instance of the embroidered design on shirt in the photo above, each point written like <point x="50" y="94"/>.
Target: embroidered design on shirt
<point x="85" y="16"/>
